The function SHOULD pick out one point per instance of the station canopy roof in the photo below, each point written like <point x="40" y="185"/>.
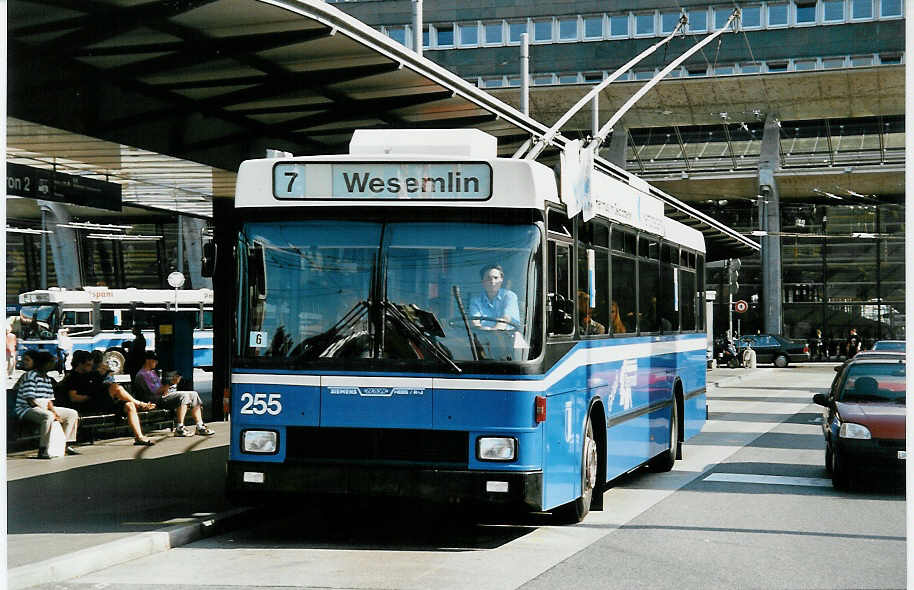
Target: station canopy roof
<point x="167" y="97"/>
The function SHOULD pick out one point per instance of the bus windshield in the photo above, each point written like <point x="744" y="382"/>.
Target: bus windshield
<point x="38" y="322"/>
<point x="410" y="292"/>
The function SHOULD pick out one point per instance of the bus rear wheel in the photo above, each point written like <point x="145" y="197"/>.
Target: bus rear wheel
<point x="115" y="360"/>
<point x="576" y="510"/>
<point x="664" y="461"/>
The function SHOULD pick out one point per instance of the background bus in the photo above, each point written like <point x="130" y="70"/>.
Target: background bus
<point x="98" y="318"/>
<point x="359" y="362"/>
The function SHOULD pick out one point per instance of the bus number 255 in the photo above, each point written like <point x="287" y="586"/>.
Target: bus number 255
<point x="261" y="403"/>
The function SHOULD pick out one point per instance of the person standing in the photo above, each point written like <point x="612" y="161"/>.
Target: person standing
<point x="64" y="349"/>
<point x="35" y="404"/>
<point x="853" y="344"/>
<point x="136" y="356"/>
<point x="11" y="343"/>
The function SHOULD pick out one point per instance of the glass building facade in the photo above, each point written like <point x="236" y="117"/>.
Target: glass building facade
<point x="842" y="268"/>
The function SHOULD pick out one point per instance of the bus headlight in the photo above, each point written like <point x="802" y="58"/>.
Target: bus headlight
<point x="496" y="448"/>
<point x="259" y="441"/>
<point x="851" y="430"/>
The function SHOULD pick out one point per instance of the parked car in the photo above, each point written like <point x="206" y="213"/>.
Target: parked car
<point x="774" y="349"/>
<point x="889" y="345"/>
<point x="864" y="419"/>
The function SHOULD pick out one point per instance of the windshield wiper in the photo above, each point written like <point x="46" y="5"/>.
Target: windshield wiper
<point x="416" y="332"/>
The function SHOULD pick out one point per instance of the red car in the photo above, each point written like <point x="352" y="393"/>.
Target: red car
<point x="864" y="419"/>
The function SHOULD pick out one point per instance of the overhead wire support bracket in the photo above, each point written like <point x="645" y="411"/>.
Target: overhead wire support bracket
<point x="608" y="126"/>
<point x="541" y="143"/>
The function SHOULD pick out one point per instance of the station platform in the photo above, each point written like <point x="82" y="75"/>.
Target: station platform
<point x="112" y="503"/>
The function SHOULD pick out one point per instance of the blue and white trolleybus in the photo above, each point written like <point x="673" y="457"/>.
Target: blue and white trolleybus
<point x="420" y="318"/>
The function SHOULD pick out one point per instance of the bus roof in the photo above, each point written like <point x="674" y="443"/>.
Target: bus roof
<point x="88" y="295"/>
<point x="440" y="168"/>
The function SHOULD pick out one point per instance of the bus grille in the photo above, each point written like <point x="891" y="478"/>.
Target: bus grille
<point x="432" y="447"/>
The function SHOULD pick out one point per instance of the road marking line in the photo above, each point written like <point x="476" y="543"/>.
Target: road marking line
<point x="777" y="480"/>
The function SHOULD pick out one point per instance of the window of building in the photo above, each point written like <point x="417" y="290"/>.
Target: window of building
<point x="568" y="29"/>
<point x="750" y="68"/>
<point x="568" y="78"/>
<point x="777" y="14"/>
<point x="831" y="63"/>
<point x="593" y="77"/>
<point x="515" y="30"/>
<point x="833" y="11"/>
<point x="469" y="34"/>
<point x="426" y="37"/>
<point x="777" y="66"/>
<point x="513" y="81"/>
<point x="724" y="70"/>
<point x="398" y="34"/>
<point x="644" y="24"/>
<point x="542" y="80"/>
<point x="805" y="12"/>
<point x="861" y="9"/>
<point x="493" y="82"/>
<point x="751" y="17"/>
<point x="542" y="30"/>
<point x="493" y="33"/>
<point x="861" y="61"/>
<point x="444" y="35"/>
<point x="889" y="58"/>
<point x="644" y="74"/>
<point x="674" y="73"/>
<point x="802" y="65"/>
<point x="618" y="25"/>
<point x="698" y="20"/>
<point x="720" y="17"/>
<point x="593" y="27"/>
<point x="888" y="8"/>
<point x="695" y="71"/>
<point x="669" y="20"/>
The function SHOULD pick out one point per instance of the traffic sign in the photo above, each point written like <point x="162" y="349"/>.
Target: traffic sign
<point x="740" y="306"/>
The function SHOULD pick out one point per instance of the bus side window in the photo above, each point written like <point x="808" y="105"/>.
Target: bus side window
<point x="561" y="307"/>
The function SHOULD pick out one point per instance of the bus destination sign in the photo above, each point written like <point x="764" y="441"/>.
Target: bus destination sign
<point x="437" y="181"/>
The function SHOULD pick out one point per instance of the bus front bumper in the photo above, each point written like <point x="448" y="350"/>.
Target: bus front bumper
<point x="253" y="482"/>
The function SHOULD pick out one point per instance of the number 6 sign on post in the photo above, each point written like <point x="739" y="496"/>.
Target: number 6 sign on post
<point x="258" y="340"/>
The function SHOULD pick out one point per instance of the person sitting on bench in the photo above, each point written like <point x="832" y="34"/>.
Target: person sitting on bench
<point x="114" y="399"/>
<point x="35" y="404"/>
<point x="148" y="383"/>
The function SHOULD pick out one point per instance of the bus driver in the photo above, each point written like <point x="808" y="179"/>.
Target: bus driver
<point x="497" y="305"/>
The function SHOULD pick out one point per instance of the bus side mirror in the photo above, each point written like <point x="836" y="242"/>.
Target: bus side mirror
<point x="208" y="262"/>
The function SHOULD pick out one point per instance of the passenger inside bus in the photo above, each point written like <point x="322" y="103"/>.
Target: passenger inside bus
<point x="618" y="325"/>
<point x="496" y="307"/>
<point x="588" y="326"/>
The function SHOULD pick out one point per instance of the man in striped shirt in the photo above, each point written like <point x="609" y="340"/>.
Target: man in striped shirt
<point x="35" y="404"/>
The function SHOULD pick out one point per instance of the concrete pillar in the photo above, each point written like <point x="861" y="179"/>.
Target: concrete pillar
<point x="193" y="249"/>
<point x="63" y="246"/>
<point x="770" y="222"/>
<point x="618" y="145"/>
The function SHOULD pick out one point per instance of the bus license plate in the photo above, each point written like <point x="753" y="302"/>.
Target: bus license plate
<point x="902" y="455"/>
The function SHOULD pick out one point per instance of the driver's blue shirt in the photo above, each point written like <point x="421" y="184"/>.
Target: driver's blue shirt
<point x="504" y="305"/>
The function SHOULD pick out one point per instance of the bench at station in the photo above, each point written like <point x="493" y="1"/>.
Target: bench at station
<point x="92" y="427"/>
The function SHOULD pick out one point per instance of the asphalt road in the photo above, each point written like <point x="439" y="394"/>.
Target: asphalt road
<point x="747" y="507"/>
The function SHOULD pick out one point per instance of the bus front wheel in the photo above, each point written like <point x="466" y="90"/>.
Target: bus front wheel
<point x="115" y="359"/>
<point x="576" y="510"/>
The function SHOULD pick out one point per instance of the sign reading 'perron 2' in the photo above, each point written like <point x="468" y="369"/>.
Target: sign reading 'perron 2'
<point x="49" y="185"/>
<point x="382" y="180"/>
